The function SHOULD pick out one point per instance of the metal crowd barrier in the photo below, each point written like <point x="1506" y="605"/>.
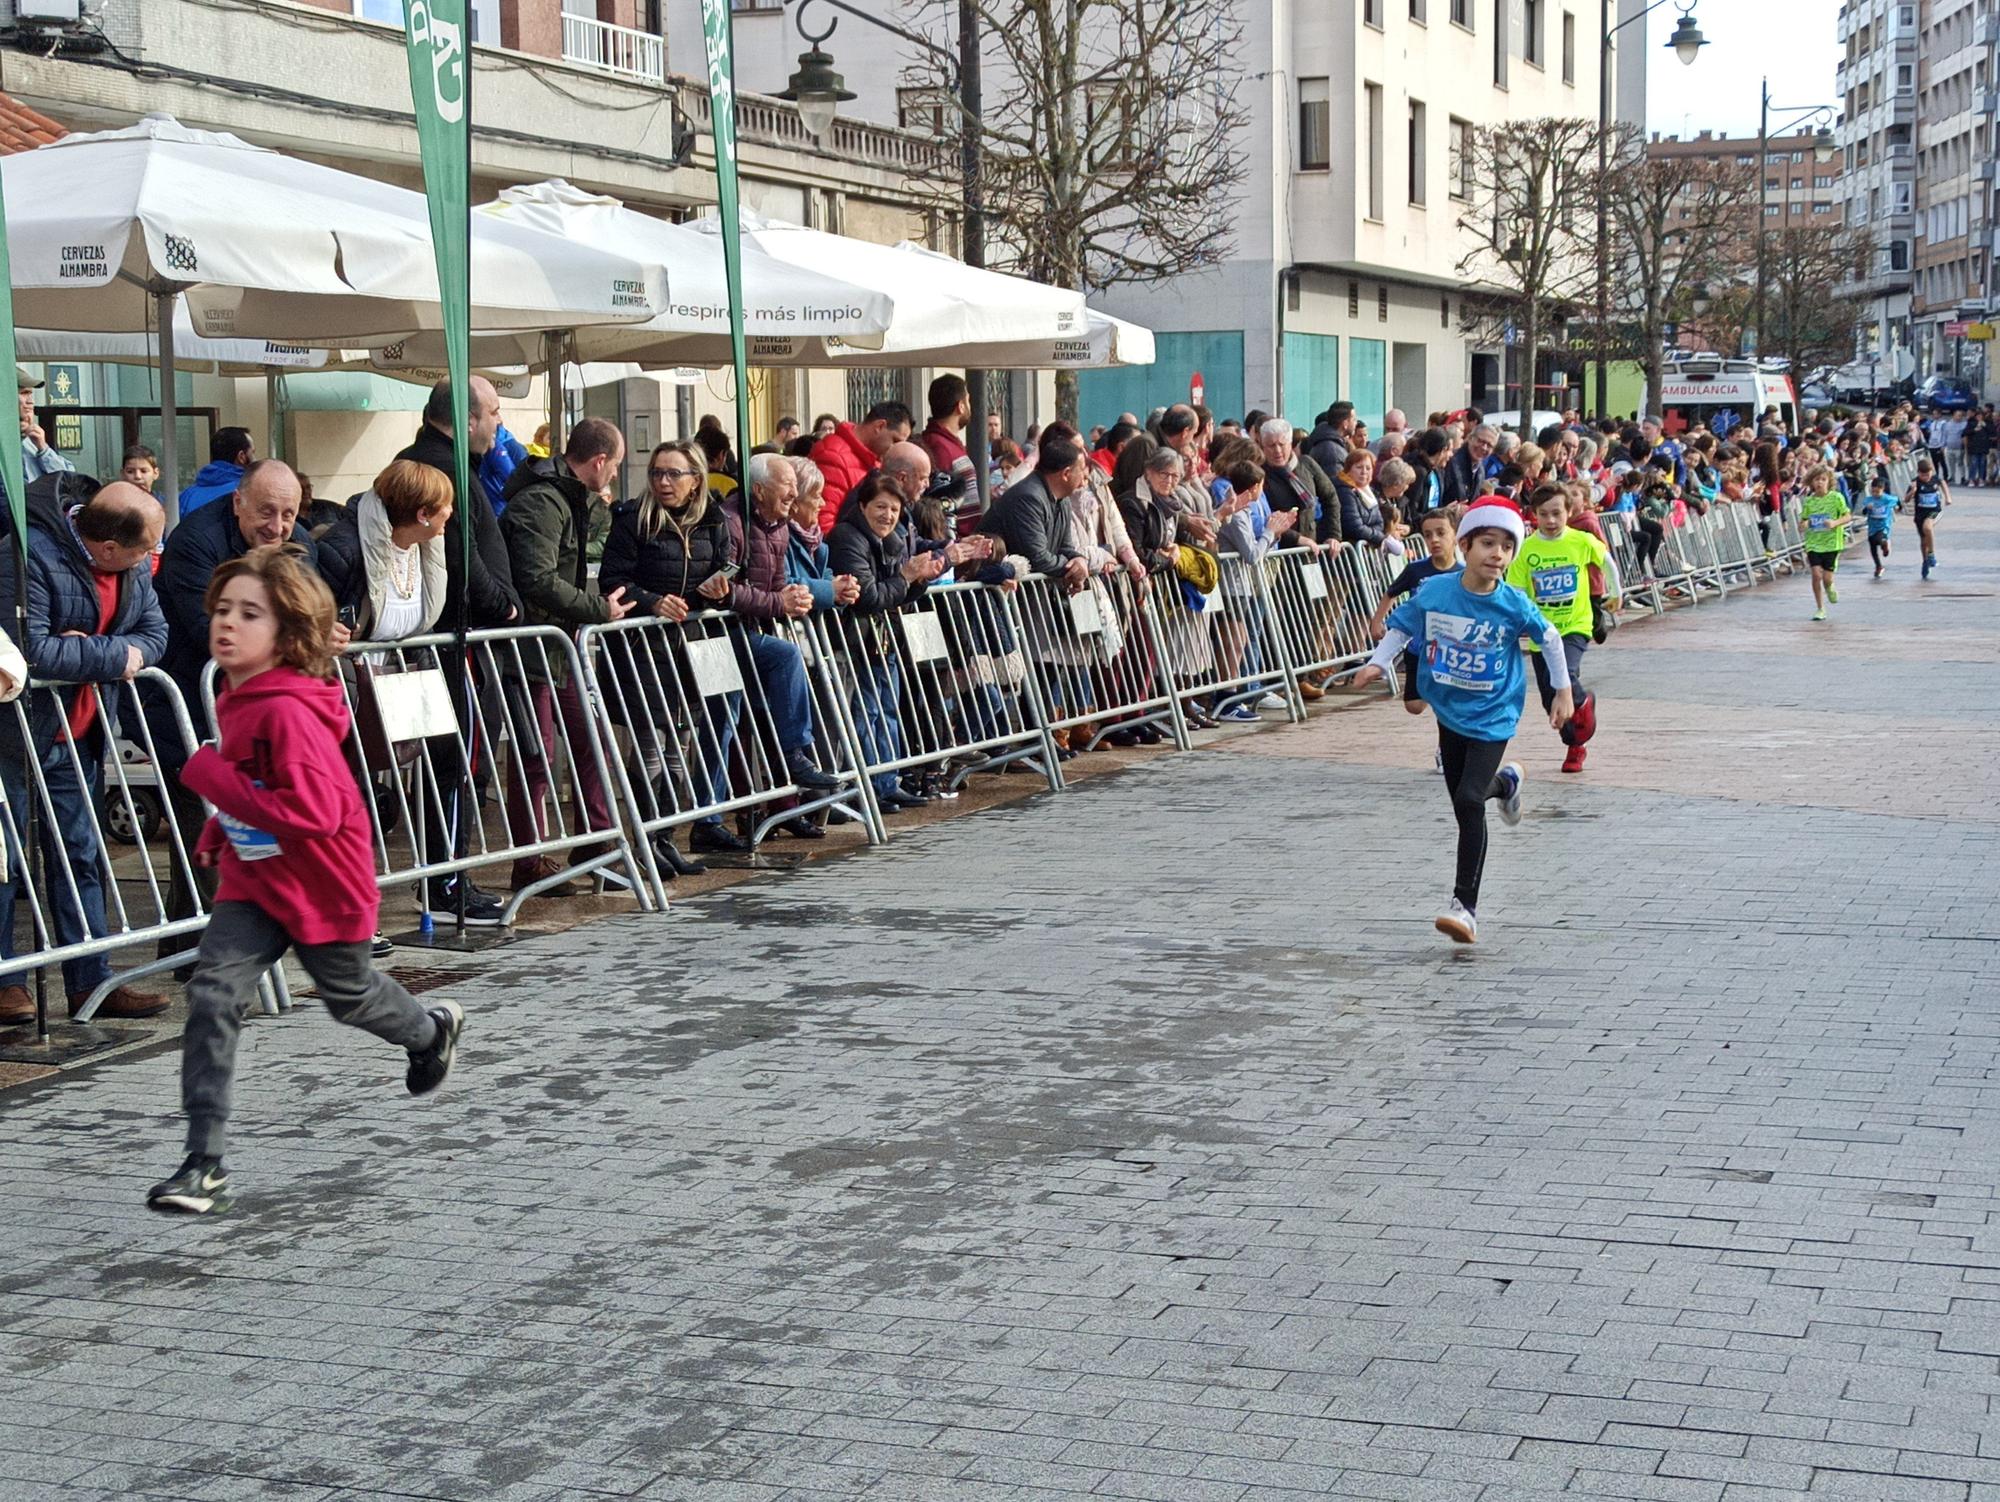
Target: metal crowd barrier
<point x="1098" y="656"/>
<point x="687" y="708"/>
<point x="98" y="881"/>
<point x="943" y="683"/>
<point x="1227" y="647"/>
<point x="1621" y="539"/>
<point x="1321" y="605"/>
<point x="432" y="772"/>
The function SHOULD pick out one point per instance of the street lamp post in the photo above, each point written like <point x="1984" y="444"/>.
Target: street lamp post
<point x="1822" y="149"/>
<point x="1686" y="43"/>
<point x="818" y="90"/>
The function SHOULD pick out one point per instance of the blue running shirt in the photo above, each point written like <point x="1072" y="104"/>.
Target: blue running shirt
<point x="1469" y="658"/>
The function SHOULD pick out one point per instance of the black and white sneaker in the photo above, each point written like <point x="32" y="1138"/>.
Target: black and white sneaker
<point x="200" y="1185"/>
<point x="379" y="947"/>
<point x="429" y="1066"/>
<point x="440" y="900"/>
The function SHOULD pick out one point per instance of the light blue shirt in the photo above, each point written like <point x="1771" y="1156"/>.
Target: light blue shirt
<point x="44" y="461"/>
<point x="1469" y="658"/>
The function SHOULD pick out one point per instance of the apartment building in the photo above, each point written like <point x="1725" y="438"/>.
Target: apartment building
<point x="1958" y="115"/>
<point x="1800" y="191"/>
<point x="576" y="89"/>
<point x="1345" y="280"/>
<point x="1876" y="79"/>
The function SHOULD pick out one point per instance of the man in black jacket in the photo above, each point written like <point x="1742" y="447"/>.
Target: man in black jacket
<point x="490" y="601"/>
<point x="1328" y="442"/>
<point x="1031" y="519"/>
<point x="263" y="509"/>
<point x="490" y="596"/>
<point x="547" y="528"/>
<point x="1293" y="481"/>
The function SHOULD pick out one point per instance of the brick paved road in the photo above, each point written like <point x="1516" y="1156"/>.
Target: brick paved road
<point x="1146" y="1143"/>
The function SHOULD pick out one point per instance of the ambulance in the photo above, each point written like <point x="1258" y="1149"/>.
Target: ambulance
<point x="1705" y="391"/>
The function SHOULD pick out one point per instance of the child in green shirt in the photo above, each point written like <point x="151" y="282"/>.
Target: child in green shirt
<point x="1823" y="522"/>
<point x="1552" y="568"/>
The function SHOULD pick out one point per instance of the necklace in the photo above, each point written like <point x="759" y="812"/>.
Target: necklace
<point x="405" y="568"/>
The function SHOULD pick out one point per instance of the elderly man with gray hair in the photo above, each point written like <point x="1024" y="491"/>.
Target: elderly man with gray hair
<point x="1294" y="481"/>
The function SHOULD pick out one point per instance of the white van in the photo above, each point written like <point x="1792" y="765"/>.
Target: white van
<point x="1706" y="391"/>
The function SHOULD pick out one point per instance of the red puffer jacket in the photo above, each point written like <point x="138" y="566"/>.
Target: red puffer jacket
<point x="845" y="461"/>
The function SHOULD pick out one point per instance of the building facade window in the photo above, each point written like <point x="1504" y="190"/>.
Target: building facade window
<point x="1315" y="126"/>
<point x="1499" y="44"/>
<point x="1458" y="158"/>
<point x="1531" y="32"/>
<point x="1461" y="13"/>
<point x="1373" y="94"/>
<point x="1569" y="48"/>
<point x="1418" y="146"/>
<point x="1371" y="13"/>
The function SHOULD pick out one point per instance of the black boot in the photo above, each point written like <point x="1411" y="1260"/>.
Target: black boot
<point x="672" y="862"/>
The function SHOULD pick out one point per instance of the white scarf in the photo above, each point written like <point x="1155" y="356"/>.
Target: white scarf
<point x="372" y="518"/>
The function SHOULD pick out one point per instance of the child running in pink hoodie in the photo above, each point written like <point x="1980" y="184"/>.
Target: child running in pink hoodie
<point x="293" y="843"/>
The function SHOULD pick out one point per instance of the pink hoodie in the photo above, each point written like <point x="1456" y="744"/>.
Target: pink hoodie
<point x="293" y="835"/>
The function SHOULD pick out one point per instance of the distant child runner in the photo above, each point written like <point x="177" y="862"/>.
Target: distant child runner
<point x="1471" y="625"/>
<point x="1928" y="495"/>
<point x="1823" y="517"/>
<point x="295" y="851"/>
<point x="1879" y="508"/>
<point x="1553" y="569"/>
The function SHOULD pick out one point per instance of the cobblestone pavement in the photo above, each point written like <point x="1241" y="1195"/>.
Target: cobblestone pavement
<point x="1145" y="1142"/>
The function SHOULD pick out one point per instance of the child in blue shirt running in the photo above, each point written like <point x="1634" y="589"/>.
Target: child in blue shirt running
<point x="1879" y="508"/>
<point x="1470" y="671"/>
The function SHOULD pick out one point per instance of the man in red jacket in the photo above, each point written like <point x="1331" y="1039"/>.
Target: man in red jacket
<point x="847" y="454"/>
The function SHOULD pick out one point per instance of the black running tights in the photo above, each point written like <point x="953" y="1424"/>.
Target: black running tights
<point x="1469" y="776"/>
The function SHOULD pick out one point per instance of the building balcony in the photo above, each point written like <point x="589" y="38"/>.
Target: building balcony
<point x="618" y="50"/>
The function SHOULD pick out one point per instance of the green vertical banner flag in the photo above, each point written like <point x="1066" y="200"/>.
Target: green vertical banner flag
<point x="722" y="111"/>
<point x="441" y="90"/>
<point x="11" y="469"/>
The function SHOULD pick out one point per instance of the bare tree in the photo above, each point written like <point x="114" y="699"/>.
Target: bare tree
<point x="1680" y="225"/>
<point x="1806" y="321"/>
<point x="1530" y="190"/>
<point x="1109" y="139"/>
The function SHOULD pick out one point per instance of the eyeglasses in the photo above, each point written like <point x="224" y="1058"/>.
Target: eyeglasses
<point x="669" y="474"/>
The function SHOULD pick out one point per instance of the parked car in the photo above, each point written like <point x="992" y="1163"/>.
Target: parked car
<point x="1943" y="394"/>
<point x="1510" y="420"/>
<point x="128" y="820"/>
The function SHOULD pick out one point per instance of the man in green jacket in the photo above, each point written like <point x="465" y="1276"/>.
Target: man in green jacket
<point x="547" y="526"/>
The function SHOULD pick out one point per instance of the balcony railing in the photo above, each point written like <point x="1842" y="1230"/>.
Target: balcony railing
<point x="776" y="122"/>
<point x="615" y="49"/>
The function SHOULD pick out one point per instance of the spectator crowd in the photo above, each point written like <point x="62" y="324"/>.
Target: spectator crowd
<point x="849" y="521"/>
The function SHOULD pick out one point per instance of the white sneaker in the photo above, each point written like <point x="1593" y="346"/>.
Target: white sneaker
<point x="1458" y="924"/>
<point x="1437" y="762"/>
<point x="1510" y="801"/>
<point x="1272" y="701"/>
